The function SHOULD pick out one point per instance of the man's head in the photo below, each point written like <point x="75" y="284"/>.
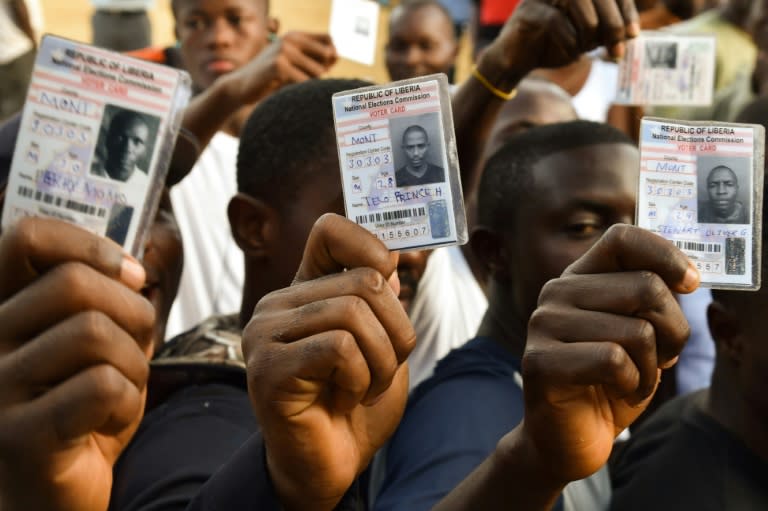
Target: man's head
<point x="415" y="145"/>
<point x="538" y="102"/>
<point x="126" y="143"/>
<point x="722" y="188"/>
<point x="421" y="40"/>
<point x="544" y="199"/>
<point x="738" y="325"/>
<point x="287" y="177"/>
<point x="219" y="36"/>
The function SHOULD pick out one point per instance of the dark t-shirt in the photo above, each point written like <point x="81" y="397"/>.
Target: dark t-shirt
<point x="434" y="174"/>
<point x="681" y="459"/>
<point x="179" y="445"/>
<point x="453" y="422"/>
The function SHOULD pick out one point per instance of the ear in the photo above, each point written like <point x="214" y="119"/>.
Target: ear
<point x="726" y="331"/>
<point x="273" y="25"/>
<point x="254" y="224"/>
<point x="489" y="250"/>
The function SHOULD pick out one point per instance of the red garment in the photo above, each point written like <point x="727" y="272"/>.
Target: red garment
<point x="496" y="12"/>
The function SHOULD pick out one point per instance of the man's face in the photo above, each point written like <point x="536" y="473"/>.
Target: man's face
<point x="415" y="145"/>
<point x="722" y="187"/>
<point x="126" y="146"/>
<point x="317" y="196"/>
<point x="421" y="42"/>
<point x="219" y="36"/>
<point x="576" y="196"/>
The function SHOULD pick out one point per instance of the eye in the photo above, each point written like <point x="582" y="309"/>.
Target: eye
<point x="195" y="23"/>
<point x="234" y="20"/>
<point x="584" y="227"/>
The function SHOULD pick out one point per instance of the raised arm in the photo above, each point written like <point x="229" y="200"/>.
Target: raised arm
<point x="595" y="349"/>
<point x="75" y="342"/>
<point x="540" y="33"/>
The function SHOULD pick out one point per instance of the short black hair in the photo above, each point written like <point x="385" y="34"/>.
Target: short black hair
<point x="414" y="5"/>
<point x="415" y="127"/>
<point x="123" y="118"/>
<point x="289" y="136"/>
<point x="507" y="177"/>
<point x="175" y="6"/>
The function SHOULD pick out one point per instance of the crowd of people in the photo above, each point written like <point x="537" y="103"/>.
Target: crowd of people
<point x="267" y="353"/>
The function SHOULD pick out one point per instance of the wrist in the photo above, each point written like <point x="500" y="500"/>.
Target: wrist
<point x="517" y="454"/>
<point x="500" y="68"/>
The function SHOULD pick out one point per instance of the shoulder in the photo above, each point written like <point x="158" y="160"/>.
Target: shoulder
<point x="673" y="448"/>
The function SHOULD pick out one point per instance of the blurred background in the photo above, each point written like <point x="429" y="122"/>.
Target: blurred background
<point x="71" y="18"/>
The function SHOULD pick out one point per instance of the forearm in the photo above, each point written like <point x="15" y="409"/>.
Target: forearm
<point x="208" y="111"/>
<point x="512" y="473"/>
<point x="475" y="109"/>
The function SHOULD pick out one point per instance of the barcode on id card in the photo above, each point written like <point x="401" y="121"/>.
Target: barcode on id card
<point x="698" y="246"/>
<point x="389" y="216"/>
<point x="55" y="200"/>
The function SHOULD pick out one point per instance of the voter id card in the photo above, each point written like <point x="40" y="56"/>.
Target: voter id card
<point x="666" y="69"/>
<point x="399" y="167"/>
<point x="701" y="187"/>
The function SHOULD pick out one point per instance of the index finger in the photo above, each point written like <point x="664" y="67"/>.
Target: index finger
<point x="630" y="248"/>
<point x="34" y="245"/>
<point x="336" y="243"/>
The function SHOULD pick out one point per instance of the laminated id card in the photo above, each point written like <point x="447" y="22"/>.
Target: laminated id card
<point x="666" y="69"/>
<point x="399" y="166"/>
<point x="701" y="187"/>
<point x="95" y="140"/>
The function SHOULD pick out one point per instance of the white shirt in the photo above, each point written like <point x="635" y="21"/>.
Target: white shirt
<point x="212" y="280"/>
<point x="13" y="41"/>
<point x="446" y="312"/>
<point x="596" y="96"/>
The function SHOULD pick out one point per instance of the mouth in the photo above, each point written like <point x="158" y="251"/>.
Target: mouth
<point x="219" y="66"/>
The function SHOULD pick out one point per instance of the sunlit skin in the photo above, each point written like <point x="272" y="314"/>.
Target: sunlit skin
<point x="421" y="42"/>
<point x="219" y="36"/>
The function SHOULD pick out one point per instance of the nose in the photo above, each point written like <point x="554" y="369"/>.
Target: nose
<point x="219" y="33"/>
<point x="412" y="55"/>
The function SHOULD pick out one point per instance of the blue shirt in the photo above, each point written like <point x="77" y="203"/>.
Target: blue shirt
<point x="452" y="423"/>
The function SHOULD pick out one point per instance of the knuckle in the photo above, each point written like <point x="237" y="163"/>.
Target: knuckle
<point x="653" y="291"/>
<point x="549" y="291"/>
<point x="23" y="236"/>
<point x="94" y="326"/>
<point x="343" y="344"/>
<point x="352" y="306"/>
<point x="532" y="365"/>
<point x="74" y="278"/>
<point x="108" y="384"/>
<point x="370" y="281"/>
<point x="539" y="319"/>
<point x="613" y="359"/>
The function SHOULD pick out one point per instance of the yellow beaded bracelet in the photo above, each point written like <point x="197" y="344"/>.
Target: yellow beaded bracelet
<point x="506" y="96"/>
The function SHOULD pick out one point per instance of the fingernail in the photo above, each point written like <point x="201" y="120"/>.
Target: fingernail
<point x="132" y="272"/>
<point x="692" y="278"/>
<point x="633" y="29"/>
<point x="617" y="52"/>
